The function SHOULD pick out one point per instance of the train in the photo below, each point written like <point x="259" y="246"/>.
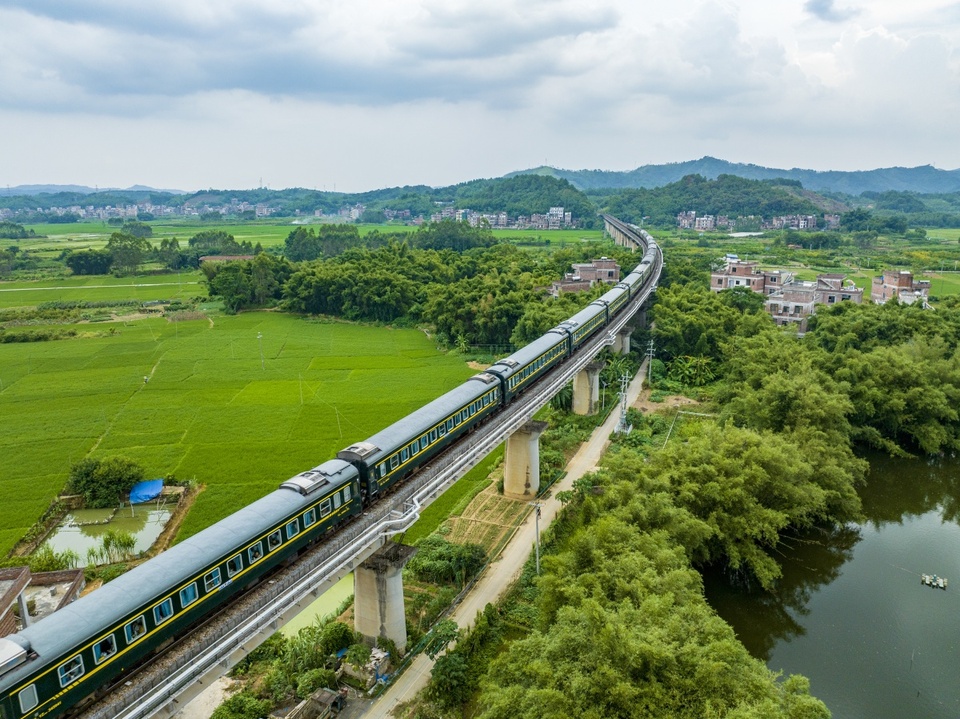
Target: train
<point x="55" y="666"/>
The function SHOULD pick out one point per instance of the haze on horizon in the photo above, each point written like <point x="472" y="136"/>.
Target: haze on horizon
<point x="354" y="96"/>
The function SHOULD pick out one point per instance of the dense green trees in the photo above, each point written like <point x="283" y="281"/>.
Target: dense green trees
<point x="90" y="262"/>
<point x="727" y="195"/>
<point x="328" y="241"/>
<point x="127" y="251"/>
<point x="102" y="482"/>
<point x="623" y="629"/>
<point x="13" y="231"/>
<point x="248" y="283"/>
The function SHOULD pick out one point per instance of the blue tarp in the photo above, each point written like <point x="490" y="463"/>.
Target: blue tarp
<point x="145" y="491"/>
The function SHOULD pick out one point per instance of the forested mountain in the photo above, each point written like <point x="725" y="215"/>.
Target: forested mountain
<point x="925" y="179"/>
<point x="726" y="195"/>
<point x="523" y="195"/>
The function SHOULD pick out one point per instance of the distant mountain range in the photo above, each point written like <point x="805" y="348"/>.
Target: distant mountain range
<point x="79" y="189"/>
<point x="926" y="179"/>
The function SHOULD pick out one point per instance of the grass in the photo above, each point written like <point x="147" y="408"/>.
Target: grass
<point x="209" y="411"/>
<point x="454" y="499"/>
<point x="101" y="288"/>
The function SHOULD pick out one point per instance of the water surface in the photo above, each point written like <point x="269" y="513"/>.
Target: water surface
<point x="851" y="613"/>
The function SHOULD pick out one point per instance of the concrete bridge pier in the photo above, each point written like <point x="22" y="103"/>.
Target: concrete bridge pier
<point x="378" y="594"/>
<point x="586" y="389"/>
<point x="621" y="342"/>
<point x="521" y="462"/>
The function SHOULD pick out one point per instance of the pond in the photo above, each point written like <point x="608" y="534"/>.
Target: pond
<point x="851" y="613"/>
<point x="83" y="529"/>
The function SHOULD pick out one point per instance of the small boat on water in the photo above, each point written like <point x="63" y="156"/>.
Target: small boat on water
<point x="932" y="580"/>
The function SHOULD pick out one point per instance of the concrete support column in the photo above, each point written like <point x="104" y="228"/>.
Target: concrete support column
<point x="621" y="343"/>
<point x="521" y="463"/>
<point x="640" y="317"/>
<point x="586" y="389"/>
<point x="378" y="595"/>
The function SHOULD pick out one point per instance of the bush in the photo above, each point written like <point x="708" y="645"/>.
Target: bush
<point x="242" y="705"/>
<point x="441" y="561"/>
<point x="102" y="482"/>
<point x="315" y="679"/>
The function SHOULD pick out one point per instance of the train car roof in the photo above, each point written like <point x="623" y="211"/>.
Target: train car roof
<point x="588" y="312"/>
<point x="401" y="432"/>
<point x="93" y="615"/>
<point x="515" y="362"/>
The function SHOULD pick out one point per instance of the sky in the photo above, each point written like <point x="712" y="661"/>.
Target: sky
<point x="362" y="94"/>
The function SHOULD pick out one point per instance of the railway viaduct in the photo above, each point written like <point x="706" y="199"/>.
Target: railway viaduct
<point x="364" y="547"/>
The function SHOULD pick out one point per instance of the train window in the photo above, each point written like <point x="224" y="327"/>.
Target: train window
<point x="309" y="517"/>
<point x="163" y="611"/>
<point x="28" y="698"/>
<point x="274" y="540"/>
<point x="325" y="508"/>
<point x="336" y="500"/>
<point x="441" y="430"/>
<point x="449" y="424"/>
<point x="293" y="529"/>
<point x="381" y="470"/>
<point x="347" y="493"/>
<point x="433" y="435"/>
<point x="423" y="442"/>
<point x="104" y="649"/>
<point x="255" y="553"/>
<point x="234" y="565"/>
<point x="404" y="454"/>
<point x="70" y="671"/>
<point x="135" y="629"/>
<point x="188" y="595"/>
<point x="395" y="461"/>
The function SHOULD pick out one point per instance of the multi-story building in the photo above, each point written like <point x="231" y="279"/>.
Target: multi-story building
<point x="741" y="273"/>
<point x="586" y="275"/>
<point x="899" y="284"/>
<point x="788" y="301"/>
<point x="795" y="301"/>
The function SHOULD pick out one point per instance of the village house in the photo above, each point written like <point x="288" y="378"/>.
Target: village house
<point x="789" y="301"/>
<point x="901" y="285"/>
<point x="586" y="275"/>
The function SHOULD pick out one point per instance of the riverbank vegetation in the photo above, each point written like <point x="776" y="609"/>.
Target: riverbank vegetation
<point x="619" y="580"/>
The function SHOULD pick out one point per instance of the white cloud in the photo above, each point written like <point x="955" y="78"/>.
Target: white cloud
<point x="438" y="91"/>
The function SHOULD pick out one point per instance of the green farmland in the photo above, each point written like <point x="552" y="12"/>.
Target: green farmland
<point x="103" y="288"/>
<point x="209" y="411"/>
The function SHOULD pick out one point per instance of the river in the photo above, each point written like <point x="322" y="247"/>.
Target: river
<point x="850" y="612"/>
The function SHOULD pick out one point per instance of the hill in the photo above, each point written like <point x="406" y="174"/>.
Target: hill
<point x="925" y="179"/>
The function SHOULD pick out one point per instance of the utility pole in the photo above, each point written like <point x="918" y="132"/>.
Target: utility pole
<point x="260" y="342"/>
<point x="650" y="353"/>
<point x="622" y="426"/>
<point x="536" y="520"/>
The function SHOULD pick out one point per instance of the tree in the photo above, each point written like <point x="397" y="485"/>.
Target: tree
<point x="102" y="482"/>
<point x="137" y="229"/>
<point x="127" y="251"/>
<point x="443" y="632"/>
<point x="742" y="299"/>
<point x="89" y="262"/>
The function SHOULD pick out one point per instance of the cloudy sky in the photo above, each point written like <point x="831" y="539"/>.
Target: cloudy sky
<point x="360" y="94"/>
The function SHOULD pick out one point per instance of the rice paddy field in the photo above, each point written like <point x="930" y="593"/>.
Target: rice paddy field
<point x="212" y="408"/>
